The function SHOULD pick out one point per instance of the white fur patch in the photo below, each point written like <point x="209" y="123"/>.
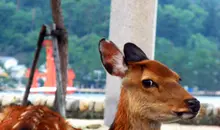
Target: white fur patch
<point x="108" y="41"/>
<point x="16" y="125"/>
<point x="57" y="126"/>
<point x="187" y="116"/>
<point x="118" y="63"/>
<point x="101" y="48"/>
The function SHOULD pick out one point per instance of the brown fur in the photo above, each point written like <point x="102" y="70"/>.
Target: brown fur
<point x="140" y="107"/>
<point x="32" y="118"/>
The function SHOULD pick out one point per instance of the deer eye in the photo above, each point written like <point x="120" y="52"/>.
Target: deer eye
<point x="147" y="83"/>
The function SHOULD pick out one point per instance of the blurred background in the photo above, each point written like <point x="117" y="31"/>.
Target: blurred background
<point x="187" y="40"/>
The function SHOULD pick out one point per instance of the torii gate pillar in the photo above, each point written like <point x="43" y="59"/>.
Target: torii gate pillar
<point x="130" y="21"/>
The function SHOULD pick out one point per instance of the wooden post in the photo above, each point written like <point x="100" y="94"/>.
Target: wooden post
<point x="62" y="43"/>
<point x="131" y="21"/>
<point x="34" y="64"/>
<point x="60" y="93"/>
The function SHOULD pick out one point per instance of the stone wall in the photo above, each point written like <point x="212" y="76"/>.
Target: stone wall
<point x="94" y="109"/>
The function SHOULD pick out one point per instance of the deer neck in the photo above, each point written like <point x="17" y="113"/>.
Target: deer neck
<point x="126" y="121"/>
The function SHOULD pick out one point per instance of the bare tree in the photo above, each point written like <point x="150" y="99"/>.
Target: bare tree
<point x="62" y="43"/>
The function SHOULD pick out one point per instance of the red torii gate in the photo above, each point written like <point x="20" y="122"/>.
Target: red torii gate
<point x="50" y="73"/>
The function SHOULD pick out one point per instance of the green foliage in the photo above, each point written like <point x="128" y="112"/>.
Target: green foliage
<point x="83" y="54"/>
<point x="187" y="43"/>
<point x="84" y="17"/>
<point x="5" y="79"/>
<point x="197" y="63"/>
<point x="178" y="24"/>
<point x="188" y="35"/>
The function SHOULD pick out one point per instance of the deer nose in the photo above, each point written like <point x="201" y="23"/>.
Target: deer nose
<point x="193" y="104"/>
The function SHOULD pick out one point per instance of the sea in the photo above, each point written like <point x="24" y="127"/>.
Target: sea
<point x="214" y="100"/>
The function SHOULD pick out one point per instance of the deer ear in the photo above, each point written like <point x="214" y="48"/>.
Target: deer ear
<point x="133" y="53"/>
<point x="112" y="58"/>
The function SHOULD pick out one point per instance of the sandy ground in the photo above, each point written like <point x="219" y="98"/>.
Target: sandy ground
<point x="95" y="123"/>
<point x="188" y="127"/>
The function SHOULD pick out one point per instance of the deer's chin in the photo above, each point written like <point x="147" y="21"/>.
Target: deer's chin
<point x="186" y="115"/>
<point x="166" y="118"/>
<point x="175" y="116"/>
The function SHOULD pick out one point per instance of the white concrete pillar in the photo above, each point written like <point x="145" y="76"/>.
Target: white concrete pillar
<point x="131" y="21"/>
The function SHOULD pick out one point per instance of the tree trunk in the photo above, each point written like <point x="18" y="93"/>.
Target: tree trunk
<point x="62" y="43"/>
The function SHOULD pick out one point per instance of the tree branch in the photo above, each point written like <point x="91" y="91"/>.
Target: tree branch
<point x="34" y="64"/>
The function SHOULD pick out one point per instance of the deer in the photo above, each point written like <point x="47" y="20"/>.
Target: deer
<point x="151" y="93"/>
<point x="29" y="117"/>
<point x="39" y="117"/>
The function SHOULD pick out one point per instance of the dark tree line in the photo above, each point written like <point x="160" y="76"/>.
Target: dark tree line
<point x="188" y="36"/>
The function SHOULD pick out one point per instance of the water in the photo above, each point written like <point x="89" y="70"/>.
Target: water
<point x="215" y="100"/>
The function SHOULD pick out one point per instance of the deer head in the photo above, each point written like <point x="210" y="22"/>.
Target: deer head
<point x="150" y="90"/>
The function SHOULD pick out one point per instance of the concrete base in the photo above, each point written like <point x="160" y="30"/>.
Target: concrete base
<point x="110" y="110"/>
<point x="98" y="125"/>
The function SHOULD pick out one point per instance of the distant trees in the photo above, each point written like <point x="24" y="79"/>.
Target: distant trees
<point x="188" y="35"/>
<point x="188" y="41"/>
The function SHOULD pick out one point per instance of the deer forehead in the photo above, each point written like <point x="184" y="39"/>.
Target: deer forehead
<point x="154" y="69"/>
